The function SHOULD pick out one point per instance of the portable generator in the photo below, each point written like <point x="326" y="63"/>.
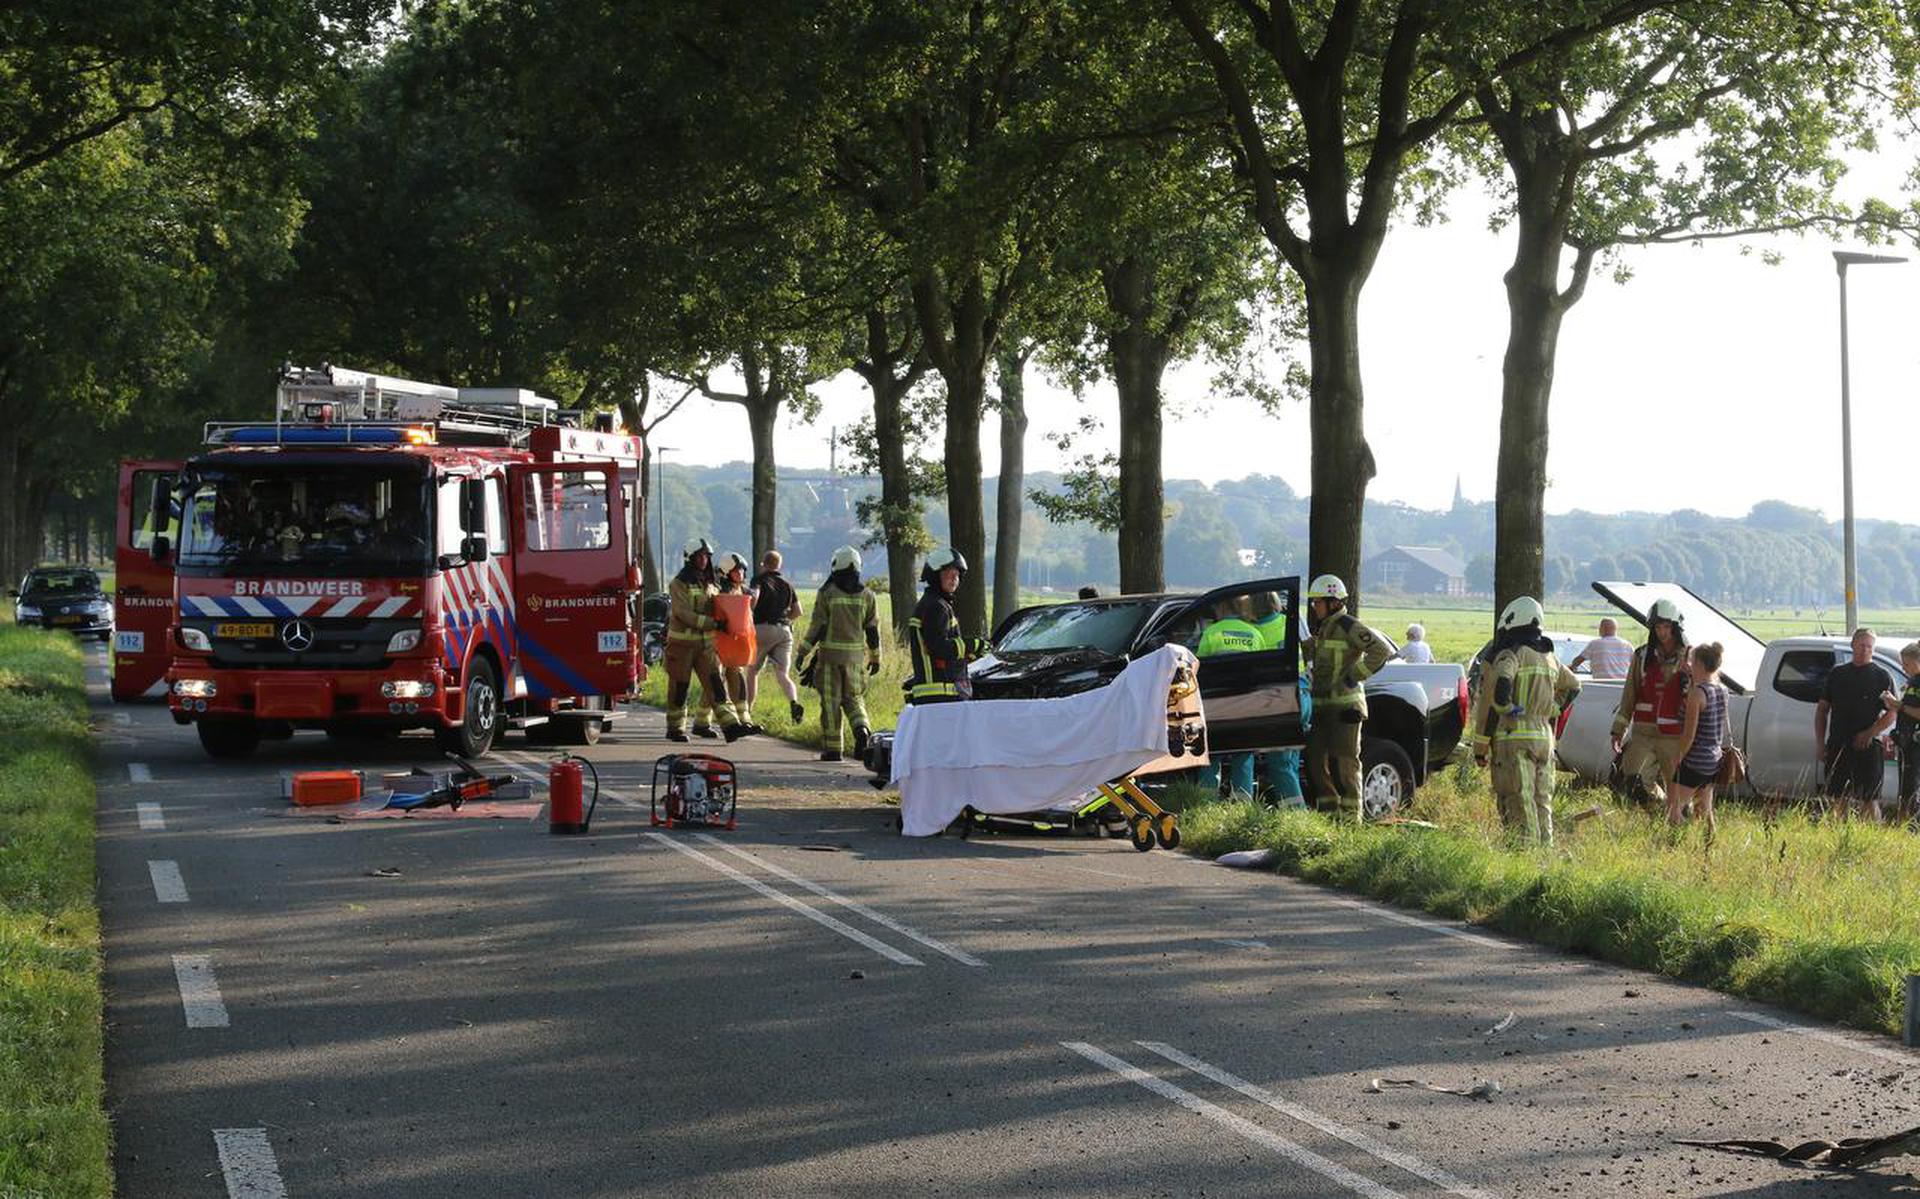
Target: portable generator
<point x="698" y="789"/>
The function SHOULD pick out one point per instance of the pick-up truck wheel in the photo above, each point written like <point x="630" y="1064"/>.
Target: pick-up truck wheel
<point x="1386" y="778"/>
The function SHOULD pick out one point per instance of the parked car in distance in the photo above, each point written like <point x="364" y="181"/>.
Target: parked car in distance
<point x="64" y="597"/>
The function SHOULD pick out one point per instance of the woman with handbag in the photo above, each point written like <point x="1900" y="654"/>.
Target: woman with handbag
<point x="1704" y="733"/>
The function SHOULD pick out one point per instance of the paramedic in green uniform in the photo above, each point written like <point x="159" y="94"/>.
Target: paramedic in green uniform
<point x="1230" y="633"/>
<point x="1280" y="768"/>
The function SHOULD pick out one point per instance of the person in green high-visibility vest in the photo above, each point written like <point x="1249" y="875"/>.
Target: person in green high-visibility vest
<point x="1280" y="768"/>
<point x="1345" y="655"/>
<point x="1230" y="633"/>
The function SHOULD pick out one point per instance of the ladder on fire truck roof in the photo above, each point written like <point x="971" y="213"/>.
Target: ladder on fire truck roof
<point x="359" y="407"/>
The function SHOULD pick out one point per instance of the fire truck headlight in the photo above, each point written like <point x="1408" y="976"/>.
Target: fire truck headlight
<point x="403" y="641"/>
<point x="195" y="688"/>
<point x="196" y="639"/>
<point x="406" y="689"/>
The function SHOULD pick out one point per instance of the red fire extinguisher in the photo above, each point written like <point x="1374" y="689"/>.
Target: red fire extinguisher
<point x="566" y="813"/>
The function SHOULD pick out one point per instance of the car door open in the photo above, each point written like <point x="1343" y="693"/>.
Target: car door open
<point x="1251" y="696"/>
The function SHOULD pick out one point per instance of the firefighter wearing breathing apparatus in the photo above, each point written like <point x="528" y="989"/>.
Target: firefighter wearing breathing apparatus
<point x="691" y="622"/>
<point x="845" y="628"/>
<point x="1344" y="655"/>
<point x="940" y="653"/>
<point x="1521" y="696"/>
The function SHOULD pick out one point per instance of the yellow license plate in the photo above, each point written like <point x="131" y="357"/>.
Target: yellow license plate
<point x="243" y="630"/>
<point x="69" y="620"/>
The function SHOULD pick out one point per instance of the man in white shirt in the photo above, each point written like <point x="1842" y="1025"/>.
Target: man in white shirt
<point x="1416" y="649"/>
<point x="1609" y="655"/>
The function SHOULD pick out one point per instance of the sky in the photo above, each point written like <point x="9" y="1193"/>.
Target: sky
<point x="1709" y="380"/>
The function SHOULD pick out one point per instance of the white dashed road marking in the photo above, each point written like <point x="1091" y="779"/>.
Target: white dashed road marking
<point x="152" y="819"/>
<point x="138" y="772"/>
<point x="853" y="905"/>
<point x="247" y="1161"/>
<point x="168" y="886"/>
<point x="1298" y="1154"/>
<point x="199" y="993"/>
<point x="781" y="897"/>
<point x="1333" y="1128"/>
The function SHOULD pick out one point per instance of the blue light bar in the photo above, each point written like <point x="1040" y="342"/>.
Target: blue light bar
<point x="316" y="435"/>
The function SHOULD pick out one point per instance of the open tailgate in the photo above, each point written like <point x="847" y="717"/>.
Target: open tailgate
<point x="1740" y="665"/>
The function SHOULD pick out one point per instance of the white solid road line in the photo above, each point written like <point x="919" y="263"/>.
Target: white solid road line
<point x="246" y="1158"/>
<point x="1298" y="1154"/>
<point x="1432" y="926"/>
<point x="199" y="993"/>
<point x="138" y="772"/>
<point x="152" y="819"/>
<point x="535" y="771"/>
<point x="781" y="897"/>
<point x="1333" y="1128"/>
<point x="853" y="905"/>
<point x="1832" y="1038"/>
<point x="168" y="886"/>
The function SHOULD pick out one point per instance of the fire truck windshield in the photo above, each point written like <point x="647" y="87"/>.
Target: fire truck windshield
<point x="338" y="521"/>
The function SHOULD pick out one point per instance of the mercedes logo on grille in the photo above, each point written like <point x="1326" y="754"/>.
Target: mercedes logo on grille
<point x="296" y="635"/>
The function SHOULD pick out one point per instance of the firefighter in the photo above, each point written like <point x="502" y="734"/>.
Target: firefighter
<point x="1344" y="654"/>
<point x="1521" y="696"/>
<point x="690" y="625"/>
<point x="843" y="634"/>
<point x="940" y="653"/>
<point x="1653" y="705"/>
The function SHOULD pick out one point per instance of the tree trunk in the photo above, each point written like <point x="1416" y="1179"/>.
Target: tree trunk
<point x="1535" y="309"/>
<point x="761" y="418"/>
<point x="1342" y="460"/>
<point x="633" y="414"/>
<point x="12" y="498"/>
<point x="896" y="498"/>
<point x="959" y="328"/>
<point x="1008" y="505"/>
<point x="1137" y="360"/>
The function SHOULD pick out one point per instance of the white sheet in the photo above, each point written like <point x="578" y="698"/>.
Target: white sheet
<point x="1009" y="756"/>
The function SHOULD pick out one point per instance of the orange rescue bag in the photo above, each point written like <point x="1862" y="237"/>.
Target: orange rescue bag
<point x="735" y="644"/>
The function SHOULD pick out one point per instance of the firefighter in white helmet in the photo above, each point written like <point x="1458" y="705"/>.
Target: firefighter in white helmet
<point x="1653" y="705"/>
<point x="1343" y="655"/>
<point x="691" y="622"/>
<point x="845" y="628"/>
<point x="1520" y="698"/>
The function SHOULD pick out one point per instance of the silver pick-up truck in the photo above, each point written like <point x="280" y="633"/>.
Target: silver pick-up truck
<point x="1772" y="688"/>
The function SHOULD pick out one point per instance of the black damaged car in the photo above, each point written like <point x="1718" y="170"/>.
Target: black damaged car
<point x="64" y="597"/>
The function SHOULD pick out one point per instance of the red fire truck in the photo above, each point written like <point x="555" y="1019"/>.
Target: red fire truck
<point x="384" y="555"/>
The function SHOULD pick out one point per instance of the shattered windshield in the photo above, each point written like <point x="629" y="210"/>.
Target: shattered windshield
<point x="321" y="520"/>
<point x="1109" y="628"/>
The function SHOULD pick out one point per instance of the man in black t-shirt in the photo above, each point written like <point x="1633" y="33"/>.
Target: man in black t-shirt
<point x="1851" y="715"/>
<point x="776" y="605"/>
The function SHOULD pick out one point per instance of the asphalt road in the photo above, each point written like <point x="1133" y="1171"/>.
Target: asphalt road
<point x="812" y="1005"/>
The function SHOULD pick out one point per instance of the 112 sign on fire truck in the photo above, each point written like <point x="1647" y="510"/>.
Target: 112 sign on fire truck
<point x="384" y="555"/>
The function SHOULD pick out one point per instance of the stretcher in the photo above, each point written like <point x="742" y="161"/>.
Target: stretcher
<point x="1080" y="757"/>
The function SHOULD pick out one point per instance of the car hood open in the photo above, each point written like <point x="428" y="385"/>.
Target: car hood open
<point x="1740" y="665"/>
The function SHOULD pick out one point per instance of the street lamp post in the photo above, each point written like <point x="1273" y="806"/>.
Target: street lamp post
<point x="1842" y="259"/>
<point x="660" y="502"/>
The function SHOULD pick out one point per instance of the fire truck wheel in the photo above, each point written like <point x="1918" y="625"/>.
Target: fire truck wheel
<point x="475" y="735"/>
<point x="228" y="738"/>
<point x="585" y="731"/>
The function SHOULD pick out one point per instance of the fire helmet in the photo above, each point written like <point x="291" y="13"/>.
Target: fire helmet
<point x="696" y="545"/>
<point x="1522" y="612"/>
<point x="1663" y="609"/>
<point x="1327" y="587"/>
<point x="939" y="560"/>
<point x="845" y="558"/>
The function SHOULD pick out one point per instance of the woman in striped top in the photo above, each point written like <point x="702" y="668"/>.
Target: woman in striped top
<point x="1704" y="733"/>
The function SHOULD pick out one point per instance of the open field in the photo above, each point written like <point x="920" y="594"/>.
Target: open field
<point x="53" y="1129"/>
<point x="1809" y="915"/>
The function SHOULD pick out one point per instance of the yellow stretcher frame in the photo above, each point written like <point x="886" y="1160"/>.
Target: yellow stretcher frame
<point x="1148" y="823"/>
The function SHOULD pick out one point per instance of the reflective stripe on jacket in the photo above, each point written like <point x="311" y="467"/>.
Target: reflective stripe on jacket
<point x="1539" y="686"/>
<point x="1655" y="692"/>
<point x="1345" y="654"/>
<point x="690" y="610"/>
<point x="846" y="626"/>
<point x="939" y="652"/>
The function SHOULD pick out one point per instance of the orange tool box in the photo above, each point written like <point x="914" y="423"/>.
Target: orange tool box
<point x="326" y="787"/>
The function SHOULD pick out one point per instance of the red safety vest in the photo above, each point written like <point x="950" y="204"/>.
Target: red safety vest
<point x="1661" y="698"/>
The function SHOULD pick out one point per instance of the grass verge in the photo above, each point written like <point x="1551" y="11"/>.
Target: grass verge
<point x="1816" y="916"/>
<point x="54" y="1137"/>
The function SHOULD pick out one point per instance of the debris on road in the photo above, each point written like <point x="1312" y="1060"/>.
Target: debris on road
<point x="1249" y="859"/>
<point x="857" y="975"/>
<point x="1484" y="1089"/>
<point x="1845" y="1154"/>
<point x="1501" y="1027"/>
<point x="383" y="872"/>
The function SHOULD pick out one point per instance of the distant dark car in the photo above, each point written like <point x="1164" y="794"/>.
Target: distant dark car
<point x="64" y="597"/>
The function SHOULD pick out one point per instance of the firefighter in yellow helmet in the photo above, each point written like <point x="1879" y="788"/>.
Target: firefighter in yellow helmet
<point x="691" y="622"/>
<point x="846" y="629"/>
<point x="1520" y="697"/>
<point x="1344" y="653"/>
